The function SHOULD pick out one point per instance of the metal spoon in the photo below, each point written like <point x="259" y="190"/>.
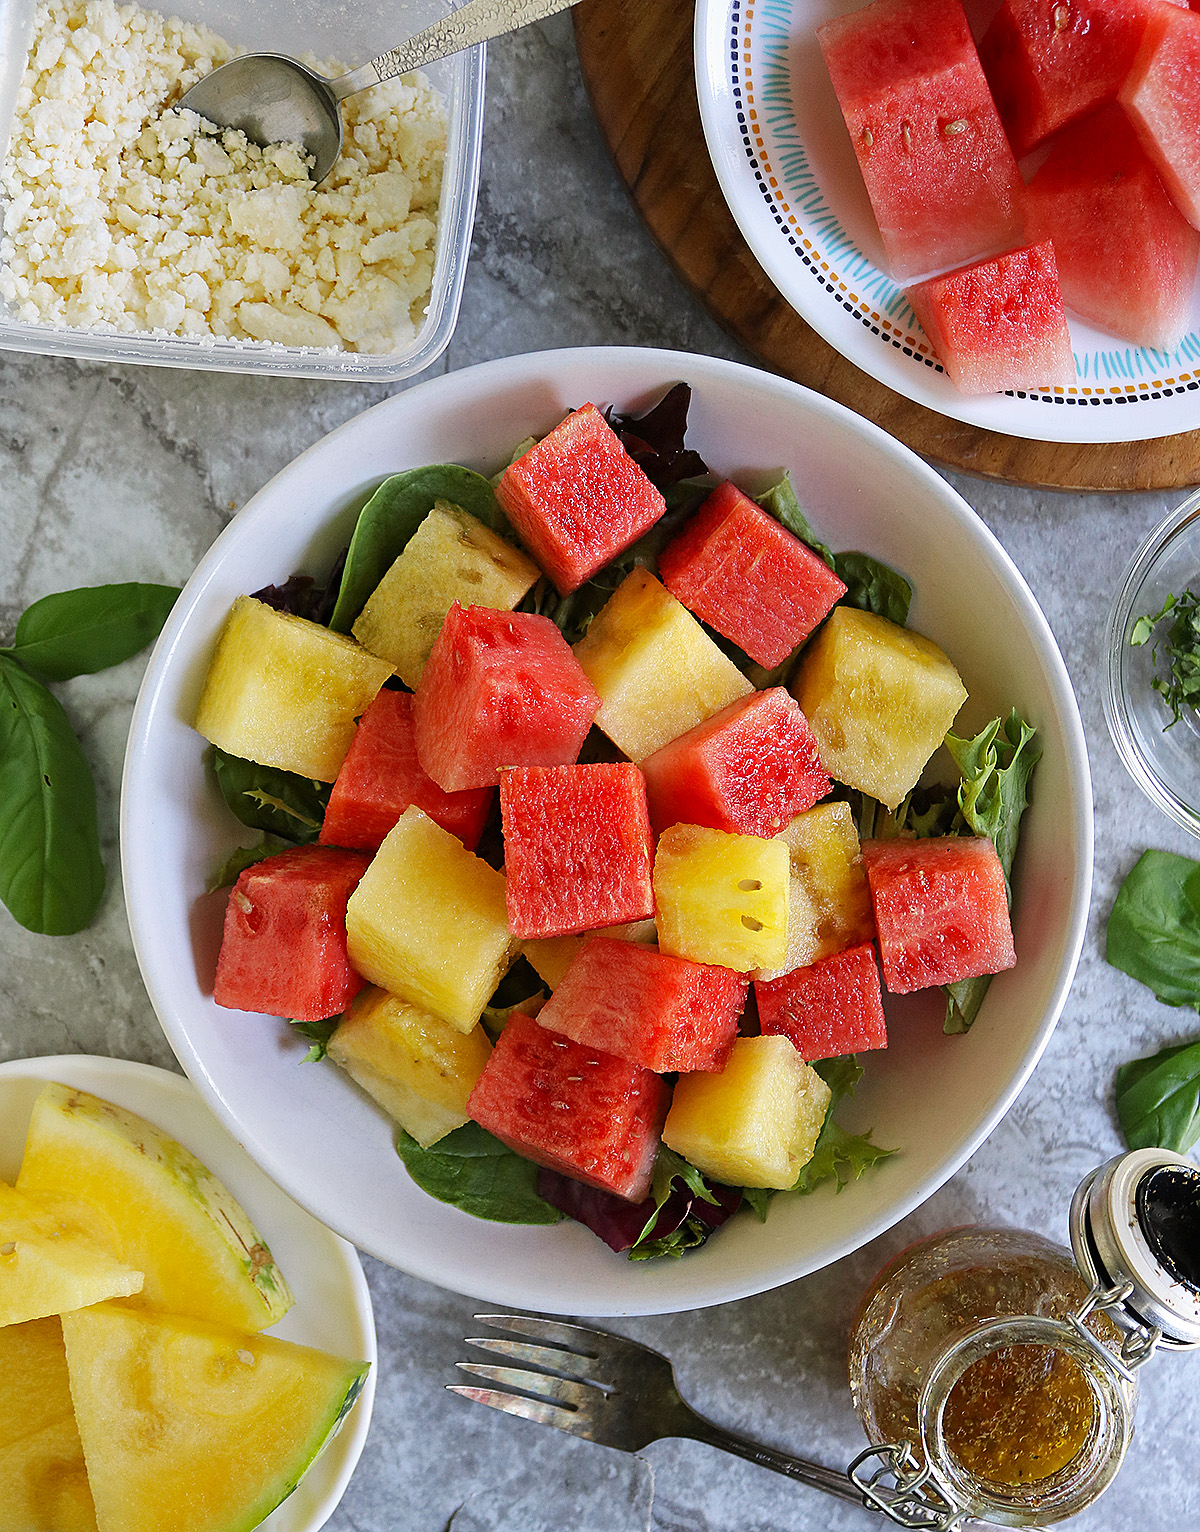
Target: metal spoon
<point x="274" y="99"/>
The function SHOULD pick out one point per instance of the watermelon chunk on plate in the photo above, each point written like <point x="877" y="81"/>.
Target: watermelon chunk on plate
<point x="572" y="1108"/>
<point x="745" y="575"/>
<point x="1161" y="94"/>
<point x="577" y="498"/>
<point x="499" y="689"/>
<point x="925" y="132"/>
<point x="832" y="1007"/>
<point x="381" y="776"/>
<point x="662" y="1012"/>
<point x="578" y="848"/>
<point x="283" y="951"/>
<point x="941" y="910"/>
<point x="1051" y="61"/>
<point x="1126" y="254"/>
<point x="749" y="769"/>
<point x="999" y="324"/>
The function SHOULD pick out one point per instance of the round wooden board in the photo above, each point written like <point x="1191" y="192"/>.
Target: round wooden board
<point x="636" y="57"/>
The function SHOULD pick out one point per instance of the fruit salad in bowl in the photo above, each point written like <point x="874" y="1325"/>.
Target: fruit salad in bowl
<point x="574" y="780"/>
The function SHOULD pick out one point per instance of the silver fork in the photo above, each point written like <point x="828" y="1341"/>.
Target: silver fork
<point x="613" y="1391"/>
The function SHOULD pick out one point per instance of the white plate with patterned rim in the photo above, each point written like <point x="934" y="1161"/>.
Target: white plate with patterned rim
<point x="783" y="157"/>
<point x="333" y="1303"/>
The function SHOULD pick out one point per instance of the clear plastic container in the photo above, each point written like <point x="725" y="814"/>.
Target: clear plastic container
<point x="337" y="29"/>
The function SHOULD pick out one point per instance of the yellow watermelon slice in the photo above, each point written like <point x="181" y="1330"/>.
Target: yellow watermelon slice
<point x="47" y="1266"/>
<point x="151" y="1203"/>
<point x="194" y="1427"/>
<point x="43" y="1481"/>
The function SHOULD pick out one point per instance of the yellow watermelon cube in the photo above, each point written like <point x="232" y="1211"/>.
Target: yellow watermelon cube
<point x="428" y="922"/>
<point x="754" y="1124"/>
<point x="722" y="898"/>
<point x="656" y="669"/>
<point x="829" y="903"/>
<point x="879" y="699"/>
<point x="418" y="1067"/>
<point x="286" y="692"/>
<point x="451" y="557"/>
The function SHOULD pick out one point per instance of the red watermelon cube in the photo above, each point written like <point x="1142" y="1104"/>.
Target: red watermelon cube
<point x="833" y="1006"/>
<point x="572" y="1108"/>
<point x="499" y="689"/>
<point x="283" y="951"/>
<point x="1126" y="254"/>
<point x="578" y="849"/>
<point x="577" y="498"/>
<point x="1049" y="62"/>
<point x="381" y="776"/>
<point x="664" y="1013"/>
<point x="941" y="910"/>
<point x="744" y="574"/>
<point x="943" y="183"/>
<point x="999" y="324"/>
<point x="749" y="769"/>
<point x="1161" y="94"/>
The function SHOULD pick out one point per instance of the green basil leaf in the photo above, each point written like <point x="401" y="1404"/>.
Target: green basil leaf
<point x="471" y="1170"/>
<point x="318" y="1034"/>
<point x="1154" y="927"/>
<point x="51" y="873"/>
<point x="1158" y="1099"/>
<point x="279" y="802"/>
<point x="872" y="586"/>
<point x="78" y="632"/>
<point x="782" y="502"/>
<point x="1179" y="648"/>
<point x="393" y="514"/>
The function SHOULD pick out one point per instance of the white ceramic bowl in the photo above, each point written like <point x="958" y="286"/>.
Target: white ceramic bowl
<point x="934" y="1097"/>
<point x="333" y="1304"/>
<point x="784" y="161"/>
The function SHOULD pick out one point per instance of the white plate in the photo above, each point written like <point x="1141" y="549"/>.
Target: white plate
<point x="333" y="1305"/>
<point x="308" y="1125"/>
<point x="784" y="161"/>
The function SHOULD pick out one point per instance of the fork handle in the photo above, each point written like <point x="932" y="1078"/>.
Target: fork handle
<point x="832" y="1480"/>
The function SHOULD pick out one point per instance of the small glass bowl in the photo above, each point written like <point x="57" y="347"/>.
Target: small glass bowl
<point x="1161" y="757"/>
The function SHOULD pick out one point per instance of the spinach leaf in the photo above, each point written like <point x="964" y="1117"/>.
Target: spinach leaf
<point x="265" y="798"/>
<point x="78" y="632"/>
<point x="1154" y="927"/>
<point x="471" y="1170"/>
<point x="995" y="766"/>
<point x="872" y="586"/>
<point x="242" y="857"/>
<point x="1158" y="1099"/>
<point x="1180" y="646"/>
<point x="782" y="502"/>
<point x="393" y="514"/>
<point x="318" y="1034"/>
<point x="51" y="874"/>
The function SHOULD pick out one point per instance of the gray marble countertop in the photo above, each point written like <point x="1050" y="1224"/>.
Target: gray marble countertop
<point x="121" y="473"/>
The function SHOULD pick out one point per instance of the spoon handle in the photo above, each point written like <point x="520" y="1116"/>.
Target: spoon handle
<point x="474" y="22"/>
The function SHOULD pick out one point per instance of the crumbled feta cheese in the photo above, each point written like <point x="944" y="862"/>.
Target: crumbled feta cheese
<point x="122" y="212"/>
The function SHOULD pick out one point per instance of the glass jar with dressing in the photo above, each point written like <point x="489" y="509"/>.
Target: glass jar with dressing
<point x="995" y="1372"/>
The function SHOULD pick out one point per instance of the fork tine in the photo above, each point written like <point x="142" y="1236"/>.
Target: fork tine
<point x="575" y="1338"/>
<point x="548" y="1357"/>
<point x="575" y="1396"/>
<point x="512" y="1404"/>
